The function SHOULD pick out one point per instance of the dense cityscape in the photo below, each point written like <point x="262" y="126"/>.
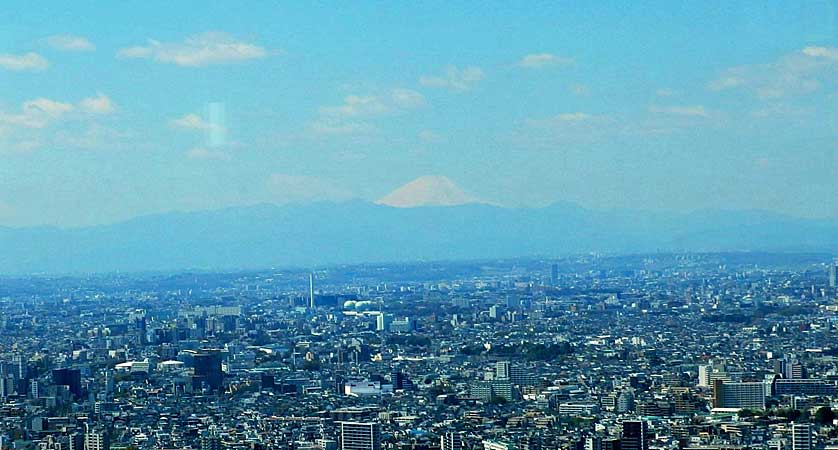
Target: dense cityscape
<point x="729" y="351"/>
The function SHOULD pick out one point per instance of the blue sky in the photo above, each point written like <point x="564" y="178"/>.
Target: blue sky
<point x="112" y="110"/>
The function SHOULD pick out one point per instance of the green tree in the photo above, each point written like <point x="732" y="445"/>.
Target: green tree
<point x="824" y="415"/>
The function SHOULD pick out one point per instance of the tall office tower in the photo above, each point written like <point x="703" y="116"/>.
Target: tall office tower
<point x="33" y="389"/>
<point x="21" y="367"/>
<point x="452" y="440"/>
<point x="208" y="369"/>
<point x="796" y="371"/>
<point x="400" y="381"/>
<point x="739" y="395"/>
<point x="502" y="370"/>
<point x="97" y="439"/>
<point x="635" y="435"/>
<point x="801" y="436"/>
<point x="593" y="443"/>
<point x="70" y="378"/>
<point x="383" y="322"/>
<point x="360" y="436"/>
<point x="704" y="372"/>
<point x="75" y="441"/>
<point x="6" y="387"/>
<point x="554" y="275"/>
<point x="210" y="439"/>
<point x="311" y="291"/>
<point x="833" y="276"/>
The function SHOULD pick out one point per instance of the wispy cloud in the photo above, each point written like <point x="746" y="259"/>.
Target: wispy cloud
<point x="371" y="105"/>
<point x="580" y="90"/>
<point x="27" y="62"/>
<point x="101" y="104"/>
<point x="352" y="116"/>
<point x="687" y="111"/>
<point x="454" y="78"/>
<point x="665" y="92"/>
<point x="70" y="43"/>
<point x="542" y="60"/>
<point x="191" y="121"/>
<point x="27" y="128"/>
<point x="798" y="73"/>
<point x="197" y="51"/>
<point x="207" y="154"/>
<point x="332" y="126"/>
<point x="821" y="52"/>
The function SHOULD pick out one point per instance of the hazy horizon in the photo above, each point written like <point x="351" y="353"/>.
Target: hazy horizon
<point x="110" y="112"/>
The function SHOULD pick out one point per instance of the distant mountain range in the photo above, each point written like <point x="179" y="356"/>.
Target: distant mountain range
<point x="354" y="232"/>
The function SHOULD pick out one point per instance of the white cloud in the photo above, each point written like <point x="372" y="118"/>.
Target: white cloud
<point x="541" y="60"/>
<point x="356" y="105"/>
<point x="50" y="108"/>
<point x="351" y="117"/>
<point x="285" y="188"/>
<point x="454" y="78"/>
<point x="821" y="52"/>
<point x="798" y="73"/>
<point x="407" y="98"/>
<point x="207" y="154"/>
<point x="191" y="122"/>
<point x="373" y="105"/>
<point x="30" y="61"/>
<point x="327" y="126"/>
<point x="580" y="90"/>
<point x="197" y="51"/>
<point x="101" y="104"/>
<point x="70" y="43"/>
<point x="730" y="80"/>
<point x="41" y="120"/>
<point x="687" y="111"/>
<point x="665" y="92"/>
<point x="573" y="117"/>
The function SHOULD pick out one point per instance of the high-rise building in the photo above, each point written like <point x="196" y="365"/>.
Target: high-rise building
<point x="801" y="436"/>
<point x="728" y="394"/>
<point x="360" y="436"/>
<point x="210" y="439"/>
<point x="796" y="371"/>
<point x="311" y="291"/>
<point x="70" y="378"/>
<point x="403" y="325"/>
<point x="593" y="443"/>
<point x="400" y="381"/>
<point x="451" y="440"/>
<point x="97" y="439"/>
<point x="833" y="276"/>
<point x="75" y="441"/>
<point x="635" y="435"/>
<point x="208" y="369"/>
<point x="502" y="370"/>
<point x="383" y="321"/>
<point x="33" y="389"/>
